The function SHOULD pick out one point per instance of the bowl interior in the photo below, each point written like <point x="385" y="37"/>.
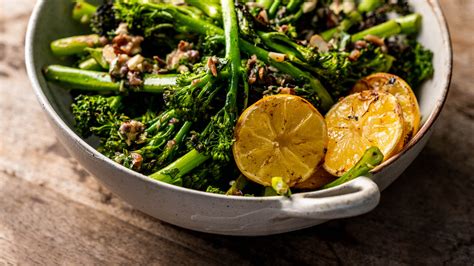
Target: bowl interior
<point x="54" y="21"/>
<point x="434" y="36"/>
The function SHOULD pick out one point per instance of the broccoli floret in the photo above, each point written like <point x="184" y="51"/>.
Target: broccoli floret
<point x="101" y="116"/>
<point x="203" y="176"/>
<point x="104" y="21"/>
<point x="215" y="190"/>
<point x="339" y="72"/>
<point x="413" y="62"/>
<point x="96" y="114"/>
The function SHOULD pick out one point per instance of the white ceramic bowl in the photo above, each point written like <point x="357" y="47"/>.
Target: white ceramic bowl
<point x="231" y="215"/>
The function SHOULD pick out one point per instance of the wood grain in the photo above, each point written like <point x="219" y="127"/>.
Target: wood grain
<point x="53" y="212"/>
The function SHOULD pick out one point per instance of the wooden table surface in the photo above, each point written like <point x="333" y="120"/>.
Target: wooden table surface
<point x="53" y="212"/>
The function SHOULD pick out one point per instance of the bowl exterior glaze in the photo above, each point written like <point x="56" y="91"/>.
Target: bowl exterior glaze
<point x="220" y="214"/>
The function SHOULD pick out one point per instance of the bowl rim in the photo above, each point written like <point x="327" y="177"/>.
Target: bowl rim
<point x="430" y="121"/>
<point x="54" y="117"/>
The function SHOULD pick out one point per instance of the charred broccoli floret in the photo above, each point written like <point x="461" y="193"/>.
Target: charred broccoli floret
<point x="104" y="21"/>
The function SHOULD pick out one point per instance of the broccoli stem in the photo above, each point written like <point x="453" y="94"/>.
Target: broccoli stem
<point x="410" y="24"/>
<point x="184" y="22"/>
<point x="97" y="54"/>
<point x="265" y="3"/>
<point x="89" y="64"/>
<point x="232" y="52"/>
<point x="158" y="122"/>
<point x="157" y="142"/>
<point x="81" y="79"/>
<point x="100" y="81"/>
<point x="386" y="29"/>
<point x="371" y="158"/>
<point x="173" y="146"/>
<point x="369" y="5"/>
<point x="404" y="25"/>
<point x="158" y="83"/>
<point x="274" y="8"/>
<point x="210" y="7"/>
<point x="292" y="18"/>
<point x="74" y="45"/>
<point x="246" y="90"/>
<point x="277" y="41"/>
<point x="83" y="11"/>
<point x="173" y="173"/>
<point x="293" y="5"/>
<point x="288" y="68"/>
<point x="269" y="191"/>
<point x="237" y="186"/>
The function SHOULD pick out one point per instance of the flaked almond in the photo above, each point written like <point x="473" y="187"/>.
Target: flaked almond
<point x="286" y="90"/>
<point x="336" y="7"/>
<point x="211" y="64"/>
<point x="283" y="28"/>
<point x="318" y="42"/>
<point x="309" y="6"/>
<point x="137" y="160"/>
<point x="108" y="53"/>
<point x="277" y="56"/>
<point x="122" y="29"/>
<point x="360" y="44"/>
<point x="122" y="58"/>
<point x="354" y="55"/>
<point x="262" y="16"/>
<point x="348" y="6"/>
<point x="135" y="61"/>
<point x="252" y="79"/>
<point x="103" y="40"/>
<point x="261" y="73"/>
<point x="374" y="39"/>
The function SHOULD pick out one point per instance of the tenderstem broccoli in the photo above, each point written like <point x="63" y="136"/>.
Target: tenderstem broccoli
<point x="281" y="43"/>
<point x="210" y="7"/>
<point x="369" y="5"/>
<point x="413" y="62"/>
<point x="371" y="158"/>
<point x="74" y="45"/>
<point x="89" y="80"/>
<point x="133" y="13"/>
<point x="237" y="186"/>
<point x="217" y="138"/>
<point x="178" y="128"/>
<point x="404" y="25"/>
<point x="83" y="11"/>
<point x="89" y="64"/>
<point x="97" y="114"/>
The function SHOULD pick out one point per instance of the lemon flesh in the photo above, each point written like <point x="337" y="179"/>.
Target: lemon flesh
<point x="360" y="121"/>
<point x="406" y="98"/>
<point x="280" y="135"/>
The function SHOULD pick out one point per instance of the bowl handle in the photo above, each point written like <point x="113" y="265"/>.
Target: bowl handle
<point x="350" y="199"/>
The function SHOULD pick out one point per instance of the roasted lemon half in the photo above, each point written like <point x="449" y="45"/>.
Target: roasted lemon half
<point x="280" y="135"/>
<point x="359" y="121"/>
<point x="402" y="91"/>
